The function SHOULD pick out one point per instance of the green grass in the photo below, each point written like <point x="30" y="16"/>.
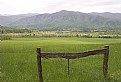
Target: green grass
<point x="18" y="60"/>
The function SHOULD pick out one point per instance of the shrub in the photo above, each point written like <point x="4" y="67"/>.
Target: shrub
<point x="5" y="37"/>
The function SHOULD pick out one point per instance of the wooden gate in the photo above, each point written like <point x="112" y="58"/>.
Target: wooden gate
<point x="68" y="56"/>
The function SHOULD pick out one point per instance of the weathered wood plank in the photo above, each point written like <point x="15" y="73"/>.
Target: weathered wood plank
<point x="105" y="61"/>
<point x="39" y="64"/>
<point x="73" y="55"/>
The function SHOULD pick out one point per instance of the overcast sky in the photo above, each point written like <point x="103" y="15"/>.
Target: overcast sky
<point x="50" y="6"/>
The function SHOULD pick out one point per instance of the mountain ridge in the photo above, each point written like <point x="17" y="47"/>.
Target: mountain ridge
<point x="70" y="20"/>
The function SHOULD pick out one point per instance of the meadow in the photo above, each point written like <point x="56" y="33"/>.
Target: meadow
<point x="18" y="60"/>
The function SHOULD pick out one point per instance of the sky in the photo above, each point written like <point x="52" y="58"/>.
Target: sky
<point x="50" y="6"/>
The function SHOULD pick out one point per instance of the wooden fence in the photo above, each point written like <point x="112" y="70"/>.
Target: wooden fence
<point x="68" y="56"/>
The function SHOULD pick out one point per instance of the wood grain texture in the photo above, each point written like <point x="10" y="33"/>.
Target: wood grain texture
<point x="73" y="55"/>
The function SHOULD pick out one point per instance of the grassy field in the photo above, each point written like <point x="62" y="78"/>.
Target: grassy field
<point x="18" y="60"/>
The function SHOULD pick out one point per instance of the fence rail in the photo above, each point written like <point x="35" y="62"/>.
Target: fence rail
<point x="72" y="55"/>
<point x="68" y="56"/>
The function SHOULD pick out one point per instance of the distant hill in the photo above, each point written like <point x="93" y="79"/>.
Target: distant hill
<point x="4" y="20"/>
<point x="20" y="16"/>
<point x="67" y="20"/>
<point x="116" y="16"/>
<point x="8" y="19"/>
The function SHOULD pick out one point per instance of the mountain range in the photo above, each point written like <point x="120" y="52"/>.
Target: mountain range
<point x="63" y="20"/>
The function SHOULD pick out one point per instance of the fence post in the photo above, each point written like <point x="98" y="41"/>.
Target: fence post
<point x="68" y="66"/>
<point x="105" y="61"/>
<point x="39" y="64"/>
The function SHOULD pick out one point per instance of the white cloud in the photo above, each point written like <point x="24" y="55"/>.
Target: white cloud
<point x="50" y="6"/>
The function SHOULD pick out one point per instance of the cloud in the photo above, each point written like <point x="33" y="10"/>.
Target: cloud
<point x="50" y="6"/>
